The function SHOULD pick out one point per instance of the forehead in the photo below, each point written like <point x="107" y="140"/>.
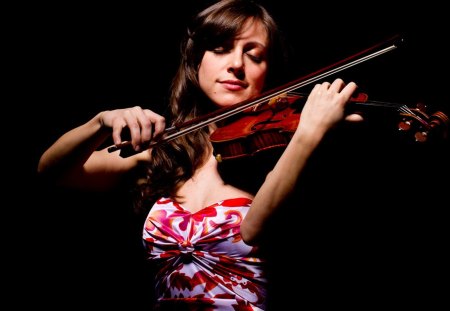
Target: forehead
<point x="253" y="30"/>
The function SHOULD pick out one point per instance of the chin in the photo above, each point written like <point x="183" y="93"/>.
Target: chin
<point x="226" y="103"/>
<point x="233" y="100"/>
<point x="225" y="99"/>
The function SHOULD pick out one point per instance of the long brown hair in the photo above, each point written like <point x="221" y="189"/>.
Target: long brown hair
<point x="174" y="162"/>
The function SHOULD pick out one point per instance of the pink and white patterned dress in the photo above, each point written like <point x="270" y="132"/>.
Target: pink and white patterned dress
<point x="203" y="263"/>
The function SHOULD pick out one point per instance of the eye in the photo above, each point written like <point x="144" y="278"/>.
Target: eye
<point x="219" y="50"/>
<point x="222" y="48"/>
<point x="255" y="53"/>
<point x="255" y="58"/>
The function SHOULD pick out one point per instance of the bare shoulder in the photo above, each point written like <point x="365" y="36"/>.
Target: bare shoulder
<point x="233" y="192"/>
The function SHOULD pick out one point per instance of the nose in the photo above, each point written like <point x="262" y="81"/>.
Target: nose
<point x="236" y="65"/>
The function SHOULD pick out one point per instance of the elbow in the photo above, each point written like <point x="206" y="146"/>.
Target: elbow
<point x="41" y="167"/>
<point x="46" y="171"/>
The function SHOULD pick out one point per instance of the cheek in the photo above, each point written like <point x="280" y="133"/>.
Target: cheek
<point x="202" y="77"/>
<point x="204" y="70"/>
<point x="258" y="77"/>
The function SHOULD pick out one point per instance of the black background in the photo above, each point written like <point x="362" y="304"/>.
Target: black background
<point x="372" y="229"/>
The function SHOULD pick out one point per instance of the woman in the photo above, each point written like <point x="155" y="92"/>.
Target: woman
<point x="202" y="232"/>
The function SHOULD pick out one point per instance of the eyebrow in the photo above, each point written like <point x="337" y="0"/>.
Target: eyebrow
<point x="258" y="43"/>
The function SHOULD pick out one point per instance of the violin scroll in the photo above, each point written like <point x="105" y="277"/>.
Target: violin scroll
<point x="425" y="126"/>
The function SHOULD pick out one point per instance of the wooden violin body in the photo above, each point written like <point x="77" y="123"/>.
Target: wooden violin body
<point x="272" y="125"/>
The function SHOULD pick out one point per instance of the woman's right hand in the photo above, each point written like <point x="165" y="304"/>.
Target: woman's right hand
<point x="144" y="125"/>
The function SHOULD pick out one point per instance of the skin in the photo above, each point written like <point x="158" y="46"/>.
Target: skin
<point x="227" y="75"/>
<point x="230" y="75"/>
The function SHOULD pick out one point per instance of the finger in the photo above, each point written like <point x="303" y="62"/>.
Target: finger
<point x="320" y="88"/>
<point x="131" y="117"/>
<point x="158" y="124"/>
<point x="337" y="85"/>
<point x="315" y="90"/>
<point x="146" y="127"/>
<point x="324" y="87"/>
<point x="354" y="117"/>
<point x="117" y="132"/>
<point x="349" y="89"/>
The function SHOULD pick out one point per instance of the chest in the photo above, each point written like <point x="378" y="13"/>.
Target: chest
<point x="207" y="187"/>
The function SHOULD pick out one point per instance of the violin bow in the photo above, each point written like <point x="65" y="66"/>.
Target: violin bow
<point x="178" y="130"/>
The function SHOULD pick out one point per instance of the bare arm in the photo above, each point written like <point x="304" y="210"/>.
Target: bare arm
<point x="73" y="160"/>
<point x="323" y="109"/>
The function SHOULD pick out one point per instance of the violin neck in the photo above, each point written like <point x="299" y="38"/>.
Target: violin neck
<point x="377" y="104"/>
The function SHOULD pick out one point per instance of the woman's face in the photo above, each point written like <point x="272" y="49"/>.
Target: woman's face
<point x="236" y="71"/>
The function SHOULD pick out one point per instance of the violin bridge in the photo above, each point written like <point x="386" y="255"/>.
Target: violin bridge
<point x="279" y="102"/>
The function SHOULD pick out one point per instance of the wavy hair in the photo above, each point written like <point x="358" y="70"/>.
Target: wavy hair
<point x="174" y="162"/>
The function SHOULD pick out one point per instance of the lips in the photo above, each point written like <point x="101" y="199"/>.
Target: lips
<point x="233" y="85"/>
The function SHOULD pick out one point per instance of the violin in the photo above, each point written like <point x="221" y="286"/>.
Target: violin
<point x="270" y="119"/>
<point x="273" y="124"/>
